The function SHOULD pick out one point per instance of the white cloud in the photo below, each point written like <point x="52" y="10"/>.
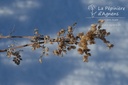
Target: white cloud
<point x="19" y="9"/>
<point x="6" y="11"/>
<point x="119" y="67"/>
<point x="104" y="2"/>
<point x="94" y="72"/>
<point x="26" y="4"/>
<point x="99" y="2"/>
<point x="23" y="18"/>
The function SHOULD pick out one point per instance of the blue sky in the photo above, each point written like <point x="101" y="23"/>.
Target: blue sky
<point x="105" y="67"/>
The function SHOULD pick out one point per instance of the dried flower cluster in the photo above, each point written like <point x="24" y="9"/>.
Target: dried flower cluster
<point x="12" y="52"/>
<point x="66" y="40"/>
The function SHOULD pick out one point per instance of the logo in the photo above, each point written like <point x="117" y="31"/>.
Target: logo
<point x="92" y="9"/>
<point x="106" y="11"/>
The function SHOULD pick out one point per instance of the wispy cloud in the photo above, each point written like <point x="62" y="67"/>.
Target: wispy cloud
<point x="26" y="4"/>
<point x="5" y="11"/>
<point x="96" y="72"/>
<point x="19" y="9"/>
<point x="104" y="2"/>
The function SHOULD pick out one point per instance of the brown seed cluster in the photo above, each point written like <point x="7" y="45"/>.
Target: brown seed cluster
<point x="66" y="40"/>
<point x="16" y="55"/>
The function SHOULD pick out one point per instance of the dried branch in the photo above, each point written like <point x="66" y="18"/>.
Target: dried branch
<point x="66" y="40"/>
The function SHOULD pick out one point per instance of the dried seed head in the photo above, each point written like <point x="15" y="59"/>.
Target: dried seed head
<point x="45" y="41"/>
<point x="101" y="21"/>
<point x="74" y="24"/>
<point x="93" y="29"/>
<point x="85" y="47"/>
<point x="100" y="26"/>
<point x="62" y="31"/>
<point x="40" y="60"/>
<point x="85" y="58"/>
<point x="58" y="33"/>
<point x="47" y="37"/>
<point x="108" y="33"/>
<point x="36" y="31"/>
<point x="69" y="48"/>
<point x="55" y="52"/>
<point x="79" y="44"/>
<point x="70" y="29"/>
<point x="88" y="54"/>
<point x="93" y="25"/>
<point x="92" y="42"/>
<point x="51" y="42"/>
<point x="110" y="45"/>
<point x="83" y="44"/>
<point x="87" y="38"/>
<point x="35" y="45"/>
<point x="73" y="47"/>
<point x="46" y="54"/>
<point x="83" y="38"/>
<point x="46" y="49"/>
<point x="9" y="53"/>
<point x="65" y="51"/>
<point x="80" y="34"/>
<point x="60" y="47"/>
<point x="69" y="35"/>
<point x="80" y="51"/>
